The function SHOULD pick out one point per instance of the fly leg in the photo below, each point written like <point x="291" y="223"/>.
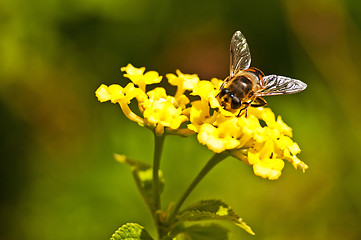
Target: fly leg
<point x="258" y="102"/>
<point x="246" y="105"/>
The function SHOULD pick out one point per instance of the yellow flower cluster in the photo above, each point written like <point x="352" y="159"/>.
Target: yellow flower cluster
<point x="159" y="110"/>
<point x="259" y="139"/>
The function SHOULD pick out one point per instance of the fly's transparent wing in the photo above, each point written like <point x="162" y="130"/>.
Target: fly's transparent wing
<point x="279" y="85"/>
<point x="240" y="56"/>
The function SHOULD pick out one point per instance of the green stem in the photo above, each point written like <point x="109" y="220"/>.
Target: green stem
<point x="215" y="159"/>
<point x="158" y="149"/>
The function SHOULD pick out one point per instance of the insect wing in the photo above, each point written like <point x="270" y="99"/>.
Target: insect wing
<point x="240" y="57"/>
<point x="279" y="85"/>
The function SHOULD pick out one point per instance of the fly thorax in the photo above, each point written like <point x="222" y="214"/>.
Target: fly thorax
<point x="240" y="86"/>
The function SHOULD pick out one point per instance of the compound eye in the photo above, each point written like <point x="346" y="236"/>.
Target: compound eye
<point x="223" y="92"/>
<point x="236" y="103"/>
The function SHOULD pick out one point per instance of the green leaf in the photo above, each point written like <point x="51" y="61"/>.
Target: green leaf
<point x="204" y="232"/>
<point x="143" y="176"/>
<point x="131" y="231"/>
<point x="212" y="210"/>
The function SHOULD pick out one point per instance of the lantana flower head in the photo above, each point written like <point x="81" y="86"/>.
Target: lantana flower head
<point x="258" y="138"/>
<point x="159" y="110"/>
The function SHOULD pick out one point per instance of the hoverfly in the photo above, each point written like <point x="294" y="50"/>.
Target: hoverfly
<point x="246" y="85"/>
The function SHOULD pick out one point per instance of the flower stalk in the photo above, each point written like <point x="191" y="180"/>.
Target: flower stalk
<point x="212" y="162"/>
<point x="158" y="149"/>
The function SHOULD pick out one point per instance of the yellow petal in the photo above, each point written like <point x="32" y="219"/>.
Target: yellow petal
<point x="131" y="70"/>
<point x="116" y="93"/>
<point x="204" y="89"/>
<point x="284" y="128"/>
<point x="284" y="142"/>
<point x="199" y="111"/>
<point x="188" y="81"/>
<point x="157" y="93"/>
<point x="294" y="149"/>
<point x="209" y="136"/>
<point x="102" y="93"/>
<point x="152" y="77"/>
<point x="269" y="168"/>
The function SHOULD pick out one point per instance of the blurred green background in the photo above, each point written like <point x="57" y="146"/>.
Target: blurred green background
<point x="58" y="176"/>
